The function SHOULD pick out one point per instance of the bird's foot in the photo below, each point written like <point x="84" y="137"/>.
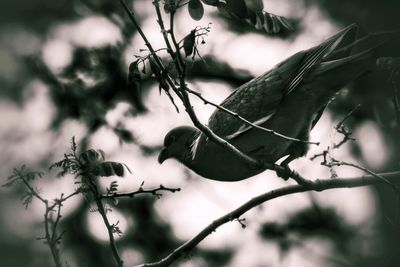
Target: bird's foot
<point x="283" y="171"/>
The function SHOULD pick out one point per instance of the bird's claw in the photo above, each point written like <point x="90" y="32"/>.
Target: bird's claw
<point x="284" y="172"/>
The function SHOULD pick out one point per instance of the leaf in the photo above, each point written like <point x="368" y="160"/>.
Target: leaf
<point x="255" y="5"/>
<point x="90" y="156"/>
<point x="124" y="135"/>
<point x="223" y="9"/>
<point x="159" y="75"/>
<point x="118" y="169"/>
<point x="271" y="23"/>
<point x="211" y="2"/>
<point x="270" y="230"/>
<point x="170" y="6"/>
<point x="238" y="7"/>
<point x="134" y="73"/>
<point x="10" y="183"/>
<point x="196" y="9"/>
<point x="108" y="168"/>
<point x="188" y="43"/>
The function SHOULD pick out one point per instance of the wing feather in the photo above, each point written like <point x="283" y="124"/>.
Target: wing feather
<point x="260" y="98"/>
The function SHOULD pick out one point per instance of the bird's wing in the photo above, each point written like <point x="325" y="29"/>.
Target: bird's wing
<point x="258" y="99"/>
<point x="254" y="100"/>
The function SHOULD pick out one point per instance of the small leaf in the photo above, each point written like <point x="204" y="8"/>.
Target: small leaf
<point x="102" y="154"/>
<point x="118" y="169"/>
<point x="188" y="43"/>
<point x="170" y="6"/>
<point x="108" y="168"/>
<point x="223" y="9"/>
<point x="238" y="7"/>
<point x="134" y="73"/>
<point x="89" y="156"/>
<point x="124" y="135"/>
<point x="211" y="2"/>
<point x="196" y="9"/>
<point x="272" y="24"/>
<point x="159" y="75"/>
<point x="9" y="183"/>
<point x="255" y="5"/>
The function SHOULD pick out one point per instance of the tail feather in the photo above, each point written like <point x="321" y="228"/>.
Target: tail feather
<point x="366" y="43"/>
<point x="317" y="54"/>
<point x="362" y="53"/>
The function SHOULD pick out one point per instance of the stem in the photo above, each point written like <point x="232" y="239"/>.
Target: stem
<point x="234" y="114"/>
<point x="149" y="46"/>
<point x="142" y="191"/>
<point x="182" y="90"/>
<point x="103" y="214"/>
<point x="50" y="238"/>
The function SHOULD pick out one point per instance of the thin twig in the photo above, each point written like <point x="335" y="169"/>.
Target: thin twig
<point x="110" y="228"/>
<point x="141" y="191"/>
<point x="165" y="34"/>
<point x="319" y="185"/>
<point x="149" y="46"/>
<point x="395" y="97"/>
<point x="234" y="114"/>
<point x="182" y="90"/>
<point x="335" y="162"/>
<point x="340" y="128"/>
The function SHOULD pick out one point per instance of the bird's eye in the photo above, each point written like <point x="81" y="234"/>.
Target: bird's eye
<point x="169" y="140"/>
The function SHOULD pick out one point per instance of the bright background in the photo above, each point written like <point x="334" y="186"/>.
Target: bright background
<point x="353" y="227"/>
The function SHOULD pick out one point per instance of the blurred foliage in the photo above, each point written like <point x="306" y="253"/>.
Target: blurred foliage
<point x="97" y="79"/>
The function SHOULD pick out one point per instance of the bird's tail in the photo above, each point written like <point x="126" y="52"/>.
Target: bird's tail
<point x="365" y="44"/>
<point x="358" y="56"/>
<point x="306" y="60"/>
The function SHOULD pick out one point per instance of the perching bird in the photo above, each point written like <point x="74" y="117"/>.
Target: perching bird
<point x="288" y="99"/>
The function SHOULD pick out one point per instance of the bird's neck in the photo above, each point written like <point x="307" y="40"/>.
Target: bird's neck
<point x="187" y="157"/>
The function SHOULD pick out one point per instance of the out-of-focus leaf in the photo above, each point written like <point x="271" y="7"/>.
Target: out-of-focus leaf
<point x="272" y="24"/>
<point x="252" y="12"/>
<point x="211" y="2"/>
<point x="108" y="168"/>
<point x="9" y="183"/>
<point x="188" y="43"/>
<point x="158" y="75"/>
<point x="196" y="9"/>
<point x="134" y="73"/>
<point x="124" y="135"/>
<point x="223" y="9"/>
<point x="135" y="85"/>
<point x="90" y="156"/>
<point x="273" y="231"/>
<point x="255" y="5"/>
<point x="169" y="6"/>
<point x="238" y="7"/>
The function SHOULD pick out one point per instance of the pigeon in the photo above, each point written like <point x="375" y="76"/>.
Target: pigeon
<point x="288" y="99"/>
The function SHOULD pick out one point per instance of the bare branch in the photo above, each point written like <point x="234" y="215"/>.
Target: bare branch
<point x="340" y="128"/>
<point x="335" y="162"/>
<point x="141" y="191"/>
<point x="182" y="90"/>
<point x="318" y="185"/>
<point x="234" y="114"/>
<point x="395" y="93"/>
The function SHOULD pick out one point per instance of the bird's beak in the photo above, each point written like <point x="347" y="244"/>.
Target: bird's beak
<point x="163" y="155"/>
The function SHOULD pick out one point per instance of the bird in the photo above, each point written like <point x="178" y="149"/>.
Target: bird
<point x="288" y="99"/>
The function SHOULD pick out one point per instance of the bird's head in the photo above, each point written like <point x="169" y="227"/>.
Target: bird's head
<point x="177" y="144"/>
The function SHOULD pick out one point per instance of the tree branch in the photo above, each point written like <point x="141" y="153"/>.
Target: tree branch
<point x="110" y="228"/>
<point x="318" y="185"/>
<point x="236" y="115"/>
<point x="155" y="192"/>
<point x="182" y="91"/>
